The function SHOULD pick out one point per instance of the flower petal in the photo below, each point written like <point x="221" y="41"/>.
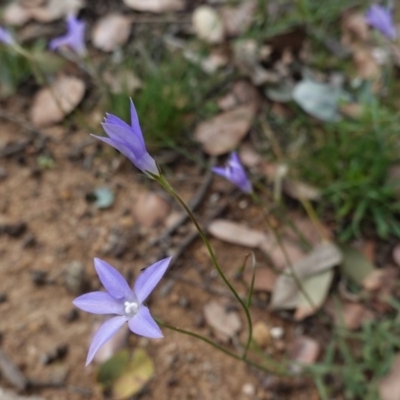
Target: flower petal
<point x="135" y="124"/>
<point x="104" y="333"/>
<point x="120" y="133"/>
<point x="99" y="303"/>
<point x="114" y="120"/>
<point x="143" y="324"/>
<point x="149" y="278"/>
<point x="220" y="171"/>
<point x="113" y="281"/>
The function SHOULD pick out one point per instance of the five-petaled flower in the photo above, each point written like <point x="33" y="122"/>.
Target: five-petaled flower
<point x="129" y="141"/>
<point x="74" y="38"/>
<point x="123" y="301"/>
<point x="6" y="37"/>
<point x="381" y="19"/>
<point x="234" y="172"/>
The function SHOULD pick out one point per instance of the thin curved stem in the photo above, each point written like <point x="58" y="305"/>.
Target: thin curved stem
<point x="222" y="349"/>
<point x="165" y="184"/>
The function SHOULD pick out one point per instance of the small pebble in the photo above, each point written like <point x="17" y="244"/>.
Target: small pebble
<point x="75" y="277"/>
<point x="184" y="302"/>
<point x="71" y="316"/>
<point x="3" y="298"/>
<point x="54" y="355"/>
<point x="277" y="332"/>
<point x="249" y="389"/>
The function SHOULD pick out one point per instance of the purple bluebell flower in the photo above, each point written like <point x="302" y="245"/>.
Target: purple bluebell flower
<point x="381" y="19"/>
<point x="74" y="38"/>
<point x="129" y="141"/>
<point x="124" y="302"/>
<point x="5" y="37"/>
<point x="234" y="172"/>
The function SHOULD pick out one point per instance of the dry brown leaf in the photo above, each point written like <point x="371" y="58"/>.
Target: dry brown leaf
<point x="248" y="156"/>
<point x="317" y="288"/>
<point x="286" y="292"/>
<point x="150" y="209"/>
<point x="389" y="387"/>
<point x="366" y="65"/>
<point x="208" y="25"/>
<point x="51" y="104"/>
<point x="304" y="350"/>
<point x="111" y="31"/>
<point x="300" y="190"/>
<point x="124" y="82"/>
<point x="55" y="9"/>
<point x="264" y="280"/>
<point x="243" y="92"/>
<point x="238" y="19"/>
<point x="236" y="233"/>
<point x="15" y="14"/>
<point x="156" y="6"/>
<point x="350" y="315"/>
<point x="354" y="27"/>
<point x="224" y="322"/>
<point x="224" y="132"/>
<point x="380" y="278"/>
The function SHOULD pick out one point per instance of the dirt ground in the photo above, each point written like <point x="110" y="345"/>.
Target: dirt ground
<point x="48" y="227"/>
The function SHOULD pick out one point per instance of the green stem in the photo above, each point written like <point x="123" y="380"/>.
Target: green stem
<point x="222" y="349"/>
<point x="165" y="184"/>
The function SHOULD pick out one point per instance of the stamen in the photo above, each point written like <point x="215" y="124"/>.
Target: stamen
<point x="131" y="307"/>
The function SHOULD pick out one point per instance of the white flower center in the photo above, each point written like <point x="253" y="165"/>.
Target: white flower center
<point x="131" y="308"/>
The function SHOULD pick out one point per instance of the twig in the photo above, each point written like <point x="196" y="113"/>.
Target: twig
<point x="22" y="123"/>
<point x="14" y="148"/>
<point x="194" y="202"/>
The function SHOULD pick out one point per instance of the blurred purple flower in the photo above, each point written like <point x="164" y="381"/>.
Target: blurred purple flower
<point x="381" y="19"/>
<point x="121" y="300"/>
<point x="74" y="38"/>
<point x="129" y="141"/>
<point x="234" y="172"/>
<point x="5" y="37"/>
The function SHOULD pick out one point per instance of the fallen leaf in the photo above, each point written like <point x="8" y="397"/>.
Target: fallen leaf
<point x="224" y="322"/>
<point x="304" y="350"/>
<point x="354" y="27"/>
<point x="348" y="314"/>
<point x="365" y="63"/>
<point x="355" y="265"/>
<point x="264" y="280"/>
<point x="55" y="9"/>
<point x="389" y="386"/>
<point x="125" y="81"/>
<point x="318" y="99"/>
<point x="150" y="209"/>
<point x="126" y="375"/>
<point x="224" y="132"/>
<point x="380" y="278"/>
<point x="156" y="6"/>
<point x="300" y="190"/>
<point x="249" y="157"/>
<point x="317" y="287"/>
<point x="208" y="25"/>
<point x="238" y="19"/>
<point x="235" y="233"/>
<point x="136" y="375"/>
<point x="52" y="104"/>
<point x="111" y="31"/>
<point x="281" y="92"/>
<point x="311" y="271"/>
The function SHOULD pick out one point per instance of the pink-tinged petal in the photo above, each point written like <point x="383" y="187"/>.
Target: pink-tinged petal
<point x="135" y="124"/>
<point x="127" y="136"/>
<point x="143" y="324"/>
<point x="99" y="303"/>
<point x="149" y="278"/>
<point x="113" y="281"/>
<point x="104" y="333"/>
